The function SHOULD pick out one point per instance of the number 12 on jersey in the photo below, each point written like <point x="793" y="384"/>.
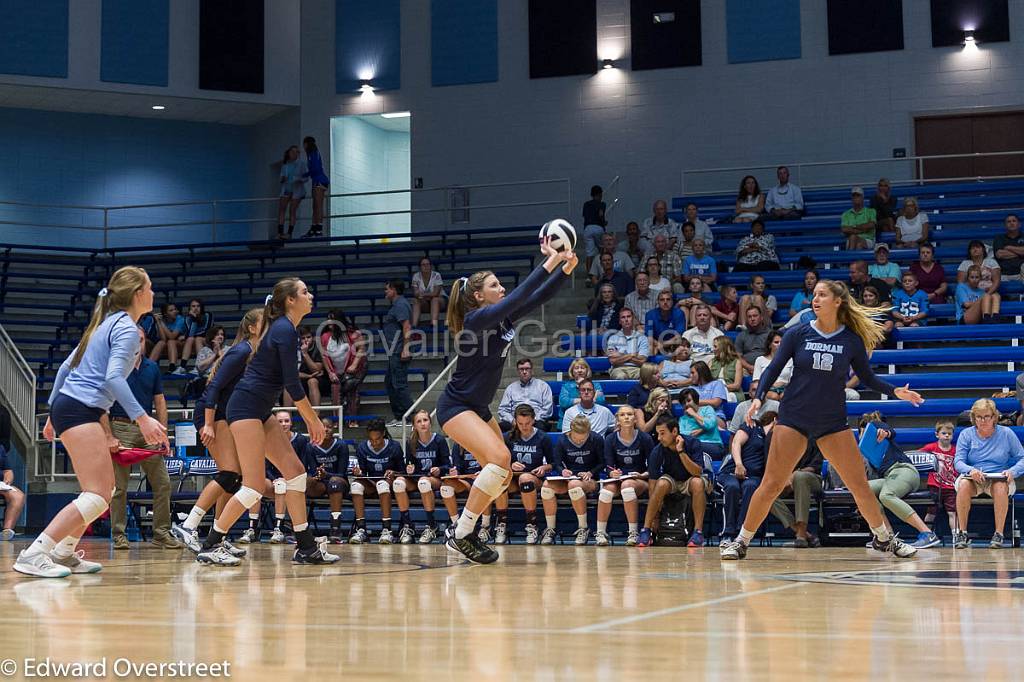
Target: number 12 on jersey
<point x="823" y="361"/>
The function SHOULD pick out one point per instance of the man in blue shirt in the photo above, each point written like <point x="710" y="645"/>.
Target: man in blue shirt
<point x="397" y="328"/>
<point x="14" y="499"/>
<point x="665" y="324"/>
<point x="147" y="388"/>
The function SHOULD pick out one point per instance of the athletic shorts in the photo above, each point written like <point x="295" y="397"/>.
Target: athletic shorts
<point x="448" y="407"/>
<point x="244" y="405"/>
<point x="945" y="496"/>
<point x="683" y="487"/>
<point x="813" y="430"/>
<point x="986" y="487"/>
<point x="67" y="413"/>
<point x="199" y="415"/>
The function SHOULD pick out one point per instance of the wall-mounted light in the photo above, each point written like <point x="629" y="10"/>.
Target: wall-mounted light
<point x="158" y="107"/>
<point x="969" y="41"/>
<point x="396" y="114"/>
<point x="607" y="63"/>
<point x="365" y="86"/>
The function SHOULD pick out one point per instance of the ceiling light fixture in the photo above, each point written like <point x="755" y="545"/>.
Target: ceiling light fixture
<point x="158" y="107"/>
<point x="397" y="114"/>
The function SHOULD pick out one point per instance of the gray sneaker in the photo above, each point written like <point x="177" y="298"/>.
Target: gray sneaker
<point x="406" y="535"/>
<point x="189" y="538"/>
<point x="895" y="546"/>
<point x="232" y="550"/>
<point x="7" y="534"/>
<point x="385" y="537"/>
<point x="548" y="537"/>
<point x="531" y="534"/>
<point x="77" y="563"/>
<point x="248" y="537"/>
<point x="960" y="540"/>
<point x="277" y="537"/>
<point x="601" y="539"/>
<point x="582" y="535"/>
<point x="358" y="537"/>
<point x="734" y="551"/>
<point x="427" y="536"/>
<point x="500" y="534"/>
<point x="484" y="535"/>
<point x="631" y="538"/>
<point x="40" y="565"/>
<point x="218" y="556"/>
<point x="997" y="541"/>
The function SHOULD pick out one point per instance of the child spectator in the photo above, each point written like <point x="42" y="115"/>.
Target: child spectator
<point x="693" y="297"/>
<point x="942" y="481"/>
<point x="882" y="269"/>
<point x="726" y="311"/>
<point x="699" y="421"/>
<point x="910" y="304"/>
<point x="973" y="304"/>
<point x="685" y="246"/>
<point x="912" y="226"/>
<point x="802" y="299"/>
<point x="990" y="271"/>
<point x="931" y="276"/>
<point x="701" y="265"/>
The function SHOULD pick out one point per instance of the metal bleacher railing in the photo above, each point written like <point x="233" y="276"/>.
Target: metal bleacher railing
<point x="17" y="385"/>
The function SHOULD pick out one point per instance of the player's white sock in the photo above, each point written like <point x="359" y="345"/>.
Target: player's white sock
<point x="602" y="526"/>
<point x="745" y="535"/>
<point x="254" y="517"/>
<point x="551" y="520"/>
<point x="216" y="527"/>
<point x="882" y="534"/>
<point x="335" y="515"/>
<point x="485" y="521"/>
<point x="43" y="543"/>
<point x="194" y="518"/>
<point x="634" y="528"/>
<point x="299" y="527"/>
<point x="65" y="547"/>
<point x="280" y="518"/>
<point x="466" y="524"/>
<point x="454" y="519"/>
<point x="581" y="519"/>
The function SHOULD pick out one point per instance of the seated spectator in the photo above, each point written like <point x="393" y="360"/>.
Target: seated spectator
<point x="659" y="403"/>
<point x="660" y="224"/>
<point x="989" y="458"/>
<point x="882" y="269"/>
<point x="881" y="313"/>
<point x="604" y="311"/>
<point x="973" y="304"/>
<point x="664" y="324"/>
<point x="685" y="245"/>
<point x="674" y="371"/>
<point x="802" y="299"/>
<point x="569" y="395"/>
<point x="427" y="293"/>
<point x="701" y="265"/>
<point x="711" y="390"/>
<point x="910" y="304"/>
<point x="749" y="201"/>
<point x="326" y="465"/>
<point x="785" y="201"/>
<point x="1008" y="249"/>
<point x="741" y="472"/>
<point x="676" y="466"/>
<point x="642" y="299"/>
<point x="700" y="227"/>
<point x="702" y="335"/>
<point x="727" y="368"/>
<point x="599" y="416"/>
<point x="14" y="499"/>
<point x="527" y="391"/>
<point x="760" y="298"/>
<point x="345" y="361"/>
<point x="211" y="351"/>
<point x="991" y="274"/>
<point x="804" y="484"/>
<point x="931" y="276"/>
<point x="621" y="281"/>
<point x="649" y="380"/>
<point x="942" y="481"/>
<point x="859" y="279"/>
<point x="756" y="251"/>
<point x="727" y="310"/>
<point x="632" y="248"/>
<point x="670" y="262"/>
<point x="311" y="367"/>
<point x="197" y="324"/>
<point x="594" y="223"/>
<point x="578" y="453"/>
<point x="912" y="226"/>
<point x="170" y="328"/>
<point x="884" y="204"/>
<point x="620" y="260"/>
<point x="694" y="297"/>
<point x="750" y="342"/>
<point x="627" y="349"/>
<point x="656" y="281"/>
<point x="858" y="223"/>
<point x="772" y="342"/>
<point x="739" y="416"/>
<point x="700" y="421"/>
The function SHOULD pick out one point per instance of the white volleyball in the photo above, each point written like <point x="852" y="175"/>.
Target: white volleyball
<point x="561" y="232"/>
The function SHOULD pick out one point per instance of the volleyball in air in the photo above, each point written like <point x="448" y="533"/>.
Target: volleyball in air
<point x="561" y="232"/>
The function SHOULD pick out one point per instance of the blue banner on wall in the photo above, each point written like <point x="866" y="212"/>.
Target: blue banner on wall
<point x="463" y="41"/>
<point x="367" y="44"/>
<point x="34" y="38"/>
<point x="763" y="30"/>
<point x="135" y="42"/>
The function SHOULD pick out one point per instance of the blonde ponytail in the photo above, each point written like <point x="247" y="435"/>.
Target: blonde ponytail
<point x="855" y="316"/>
<point x="461" y="301"/>
<point x="117" y="295"/>
<point x="253" y="316"/>
<point x="274" y="308"/>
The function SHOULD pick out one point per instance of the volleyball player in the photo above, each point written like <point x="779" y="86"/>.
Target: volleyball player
<point x="532" y="459"/>
<point x="380" y="461"/>
<point x="327" y="467"/>
<point x="427" y="458"/>
<point x="89" y="381"/>
<point x="483" y="319"/>
<point x="814" y="406"/>
<point x="579" y="454"/>
<point x="257" y="434"/>
<point x="625" y="453"/>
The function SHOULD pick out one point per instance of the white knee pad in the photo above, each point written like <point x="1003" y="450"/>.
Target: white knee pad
<point x="447" y="491"/>
<point x="297" y="484"/>
<point x="423" y="485"/>
<point x="247" y="496"/>
<point x="357" y="488"/>
<point x="399" y="485"/>
<point x="576" y="494"/>
<point x="90" y="506"/>
<point x="606" y="495"/>
<point x="628" y="494"/>
<point x="383" y="488"/>
<point x="547" y="493"/>
<point x="492" y="480"/>
<point x="280" y="486"/>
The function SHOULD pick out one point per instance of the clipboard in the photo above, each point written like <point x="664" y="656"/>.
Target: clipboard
<point x="562" y="478"/>
<point x="995" y="477"/>
<point x="870" y="448"/>
<point x="623" y="477"/>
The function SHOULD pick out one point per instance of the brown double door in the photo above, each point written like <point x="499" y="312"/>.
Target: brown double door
<point x="968" y="134"/>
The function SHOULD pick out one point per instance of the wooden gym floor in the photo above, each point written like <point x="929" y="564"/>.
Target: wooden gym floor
<point x="547" y="613"/>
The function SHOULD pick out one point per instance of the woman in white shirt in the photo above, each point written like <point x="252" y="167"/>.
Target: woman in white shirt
<point x="427" y="291"/>
<point x="912" y="226"/>
<point x="977" y="254"/>
<point x="761" y="363"/>
<point x="658" y="282"/>
<point x="749" y="201"/>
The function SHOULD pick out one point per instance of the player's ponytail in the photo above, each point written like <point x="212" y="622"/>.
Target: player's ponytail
<point x="274" y="307"/>
<point x="462" y="299"/>
<point x="251" y="318"/>
<point x="117" y="295"/>
<point x="856" y="317"/>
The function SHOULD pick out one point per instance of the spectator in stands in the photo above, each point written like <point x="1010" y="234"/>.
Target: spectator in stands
<point x="701" y="265"/>
<point x="802" y="299"/>
<point x="711" y="389"/>
<point x="628" y="348"/>
<point x="882" y="313"/>
<point x="642" y="299"/>
<point x="859" y="279"/>
<point x="882" y="268"/>
<point x="344" y="359"/>
<point x="211" y="351"/>
<point x="427" y="292"/>
<point x="197" y="324"/>
<point x="858" y="222"/>
<point x="726" y="367"/>
<point x="700" y="421"/>
<point x="756" y="251"/>
<point x="702" y="335"/>
<point x="701" y="229"/>
<point x="785" y="201"/>
<point x="321" y="183"/>
<point x="293" y="190"/>
<point x="727" y="310"/>
<point x="750" y="342"/>
<point x="942" y="481"/>
<point x="931" y="276"/>
<point x="604" y="311"/>
<point x="594" y="222"/>
<point x="171" y="330"/>
<point x="739" y="416"/>
<point x="694" y="297"/>
<point x="685" y="245"/>
<point x="620" y="260"/>
<point x="674" y="371"/>
<point x="621" y="281"/>
<point x="974" y="304"/>
<point x="661" y="224"/>
<point x="884" y="204"/>
<point x="910" y="304"/>
<point x="772" y="341"/>
<point x="749" y="201"/>
<point x="599" y="416"/>
<point x="989" y="458"/>
<point x="991" y="274"/>
<point x="1009" y="249"/>
<point x="911" y="226"/>
<point x="804" y="484"/>
<point x="759" y="298"/>
<point x="396" y="332"/>
<point x="664" y="324"/>
<point x="570" y="395"/>
<point x="741" y="472"/>
<point x="670" y="262"/>
<point x="649" y="380"/>
<point x="14" y="499"/>
<point x="633" y="248"/>
<point x="656" y="280"/>
<point x="528" y="390"/>
<point x="659" y="403"/>
<point x="676" y="466"/>
<point x="311" y="367"/>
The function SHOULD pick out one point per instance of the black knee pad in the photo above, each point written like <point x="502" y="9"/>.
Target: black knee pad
<point x="527" y="487"/>
<point x="336" y="484"/>
<point x="230" y="481"/>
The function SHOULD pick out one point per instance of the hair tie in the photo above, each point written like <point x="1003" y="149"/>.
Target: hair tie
<point x="268" y="299"/>
<point x="465" y="281"/>
<point x="103" y="292"/>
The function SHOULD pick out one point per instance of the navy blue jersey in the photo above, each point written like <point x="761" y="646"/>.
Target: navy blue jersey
<point x="488" y="331"/>
<point x="531" y="452"/>
<point x="464" y="462"/>
<point x="375" y="463"/>
<point x="430" y="455"/>
<point x="628" y="457"/>
<point x="754" y="451"/>
<point x="579" y="458"/>
<point x="667" y="462"/>
<point x="821" y="364"/>
<point x="333" y="459"/>
<point x="229" y="372"/>
<point x="273" y="368"/>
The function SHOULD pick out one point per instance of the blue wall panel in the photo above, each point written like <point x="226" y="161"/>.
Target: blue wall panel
<point x="367" y="44"/>
<point x="134" y="42"/>
<point x="34" y="38"/>
<point x="763" y="30"/>
<point x="463" y="41"/>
